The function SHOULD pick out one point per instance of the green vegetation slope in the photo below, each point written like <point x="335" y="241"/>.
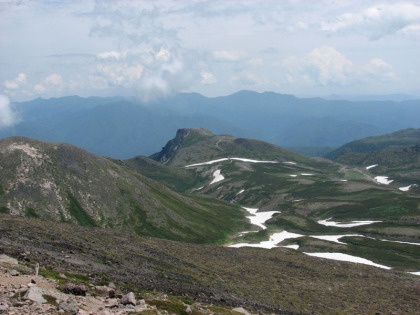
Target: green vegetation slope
<point x="60" y="182"/>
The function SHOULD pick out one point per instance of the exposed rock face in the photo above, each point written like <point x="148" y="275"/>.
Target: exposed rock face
<point x="170" y="149"/>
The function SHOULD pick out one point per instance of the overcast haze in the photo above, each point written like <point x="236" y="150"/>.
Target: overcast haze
<point x="151" y="49"/>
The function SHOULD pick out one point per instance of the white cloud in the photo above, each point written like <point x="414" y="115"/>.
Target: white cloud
<point x="207" y="78"/>
<point x="39" y="88"/>
<point x="17" y="82"/>
<point x="326" y="66"/>
<point x="121" y="74"/>
<point x="111" y="55"/>
<point x="248" y="78"/>
<point x="54" y="79"/>
<point x="8" y="117"/>
<point x="377" y="21"/>
<point x="163" y="55"/>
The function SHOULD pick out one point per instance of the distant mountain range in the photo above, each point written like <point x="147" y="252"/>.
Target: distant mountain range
<point x="123" y="128"/>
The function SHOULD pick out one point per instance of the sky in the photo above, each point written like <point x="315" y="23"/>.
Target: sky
<point x="151" y="49"/>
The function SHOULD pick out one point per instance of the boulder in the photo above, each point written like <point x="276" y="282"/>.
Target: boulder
<point x="35" y="294"/>
<point x="70" y="306"/>
<point x="76" y="289"/>
<point x="129" y="298"/>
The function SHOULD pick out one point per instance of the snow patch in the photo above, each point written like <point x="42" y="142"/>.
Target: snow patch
<point x="371" y="166"/>
<point x="348" y="258"/>
<point x="345" y="225"/>
<point x="226" y="159"/>
<point x="240" y="192"/>
<point x="292" y="163"/>
<point x="272" y="242"/>
<point x="258" y="218"/>
<point x="217" y="177"/>
<point x="383" y="180"/>
<point x="293" y="175"/>
<point x="332" y="238"/>
<point x="307" y="174"/>
<point x="417" y="273"/>
<point x="407" y="188"/>
<point x="296" y="247"/>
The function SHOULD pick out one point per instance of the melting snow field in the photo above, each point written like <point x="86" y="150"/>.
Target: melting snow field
<point x="383" y="180"/>
<point x="272" y="242"/>
<point x="226" y="159"/>
<point x="349" y="258"/>
<point x="371" y="166"/>
<point x="417" y="273"/>
<point x="333" y="238"/>
<point x="345" y="225"/>
<point x="407" y="188"/>
<point x="258" y="218"/>
<point x="217" y="177"/>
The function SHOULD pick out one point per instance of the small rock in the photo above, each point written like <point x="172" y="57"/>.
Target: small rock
<point x="188" y="309"/>
<point x="13" y="272"/>
<point x="129" y="298"/>
<point x="62" y="276"/>
<point x="69" y="306"/>
<point x="33" y="281"/>
<point x="111" y="293"/>
<point x="4" y="309"/>
<point x="112" y="285"/>
<point x="76" y="289"/>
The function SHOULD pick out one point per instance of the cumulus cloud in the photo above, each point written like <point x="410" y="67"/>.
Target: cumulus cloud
<point x="54" y="79"/>
<point x="246" y="77"/>
<point x="377" y="21"/>
<point x="8" y="117"/>
<point x="153" y="63"/>
<point x="207" y="78"/>
<point x="16" y="83"/>
<point x="326" y="66"/>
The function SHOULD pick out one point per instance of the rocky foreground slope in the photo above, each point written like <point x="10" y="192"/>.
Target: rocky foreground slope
<point x="263" y="281"/>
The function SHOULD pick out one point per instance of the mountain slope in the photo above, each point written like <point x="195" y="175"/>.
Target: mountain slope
<point x="60" y="182"/>
<point x="298" y="193"/>
<point x="263" y="281"/>
<point x="199" y="145"/>
<point x="407" y="137"/>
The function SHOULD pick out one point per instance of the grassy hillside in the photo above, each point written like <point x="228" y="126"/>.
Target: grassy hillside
<point x="407" y="137"/>
<point x="278" y="281"/>
<point x="63" y="183"/>
<point x="304" y="191"/>
<point x="198" y="145"/>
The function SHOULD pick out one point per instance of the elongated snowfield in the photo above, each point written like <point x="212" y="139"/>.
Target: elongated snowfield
<point x="226" y="159"/>
<point x="348" y="258"/>
<point x="345" y="225"/>
<point x="333" y="238"/>
<point x="417" y="273"/>
<point x="371" y="166"/>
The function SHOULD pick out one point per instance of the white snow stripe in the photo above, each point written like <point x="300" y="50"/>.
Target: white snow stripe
<point x="348" y="258"/>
